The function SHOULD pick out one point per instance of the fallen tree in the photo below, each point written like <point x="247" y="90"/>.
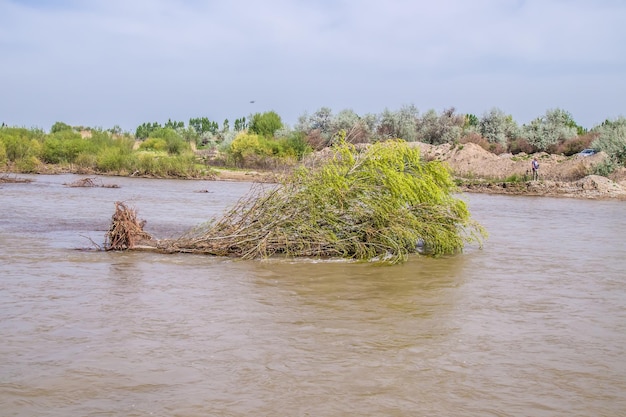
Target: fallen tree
<point x="382" y="203"/>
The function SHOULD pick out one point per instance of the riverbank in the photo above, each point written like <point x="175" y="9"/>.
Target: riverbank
<point x="475" y="169"/>
<point x="480" y="171"/>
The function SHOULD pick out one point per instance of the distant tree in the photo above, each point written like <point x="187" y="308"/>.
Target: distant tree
<point x="401" y="124"/>
<point x="549" y="130"/>
<point x="441" y="128"/>
<point x="174" y="141"/>
<point x="497" y="127"/>
<point x="203" y="125"/>
<point x="59" y="127"/>
<point x="144" y="130"/>
<point x="356" y="129"/>
<point x="116" y="130"/>
<point x="225" y="126"/>
<point x="265" y="124"/>
<point x="174" y="124"/>
<point x="471" y="121"/>
<point x="240" y="124"/>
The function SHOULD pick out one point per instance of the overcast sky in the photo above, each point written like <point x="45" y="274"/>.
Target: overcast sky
<point x="102" y="63"/>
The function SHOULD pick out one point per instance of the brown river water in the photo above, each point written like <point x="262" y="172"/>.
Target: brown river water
<point x="533" y="324"/>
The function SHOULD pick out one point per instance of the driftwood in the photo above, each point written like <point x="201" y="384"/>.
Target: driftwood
<point x="5" y="179"/>
<point x="126" y="231"/>
<point x="90" y="182"/>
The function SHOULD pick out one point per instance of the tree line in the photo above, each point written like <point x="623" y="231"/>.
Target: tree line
<point x="262" y="139"/>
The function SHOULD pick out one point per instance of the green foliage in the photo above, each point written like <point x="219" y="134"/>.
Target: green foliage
<point x="612" y="139"/>
<point x="382" y="204"/>
<point x="605" y="167"/>
<point x="441" y="128"/>
<point x="549" y="130"/>
<point x="253" y="150"/>
<point x="86" y="160"/>
<point x="515" y="178"/>
<point x="154" y="144"/>
<point x="172" y="124"/>
<point x="471" y="120"/>
<point x="240" y="124"/>
<point x="3" y="153"/>
<point x="203" y="125"/>
<point x="60" y="127"/>
<point x="113" y="160"/>
<point x="498" y="127"/>
<point x="19" y="143"/>
<point x="265" y="124"/>
<point x="401" y="124"/>
<point x="63" y="146"/>
<point x="144" y="130"/>
<point x="295" y="144"/>
<point x="27" y="164"/>
<point x="175" y="144"/>
<point x="246" y="145"/>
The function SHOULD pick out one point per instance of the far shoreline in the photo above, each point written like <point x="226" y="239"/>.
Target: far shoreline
<point x="592" y="187"/>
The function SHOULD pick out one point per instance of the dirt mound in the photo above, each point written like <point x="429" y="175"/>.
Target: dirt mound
<point x="559" y="175"/>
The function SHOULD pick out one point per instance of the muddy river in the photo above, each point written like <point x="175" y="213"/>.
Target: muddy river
<point x="533" y="324"/>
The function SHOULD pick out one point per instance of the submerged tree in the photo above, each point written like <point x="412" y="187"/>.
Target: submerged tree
<point x="383" y="203"/>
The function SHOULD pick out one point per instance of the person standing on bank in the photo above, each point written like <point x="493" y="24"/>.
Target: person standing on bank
<point x="535" y="168"/>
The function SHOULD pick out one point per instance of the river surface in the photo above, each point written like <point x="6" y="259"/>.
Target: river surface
<point x="533" y="324"/>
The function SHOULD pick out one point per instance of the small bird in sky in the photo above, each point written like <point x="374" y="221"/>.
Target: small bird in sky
<point x="251" y="101"/>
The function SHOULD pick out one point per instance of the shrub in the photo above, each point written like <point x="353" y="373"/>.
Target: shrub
<point x="555" y="127"/>
<point x="475" y="138"/>
<point x="113" y="160"/>
<point x="612" y="139"/>
<point x="265" y="124"/>
<point x="17" y="145"/>
<point x="520" y="145"/>
<point x="605" y="168"/>
<point x="86" y="160"/>
<point x="154" y="144"/>
<point x="27" y="164"/>
<point x="574" y="145"/>
<point x="296" y="145"/>
<point x="247" y="145"/>
<point x="3" y="153"/>
<point x="63" y="146"/>
<point x="498" y="127"/>
<point x="60" y="127"/>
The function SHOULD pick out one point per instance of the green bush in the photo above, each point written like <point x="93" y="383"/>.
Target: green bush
<point x="86" y="160"/>
<point x="3" y="153"/>
<point x="252" y="150"/>
<point x="605" y="168"/>
<point x="175" y="144"/>
<point x="114" y="160"/>
<point x="296" y="145"/>
<point x="265" y="124"/>
<point x="17" y="145"/>
<point x="27" y="164"/>
<point x="612" y="139"/>
<point x="154" y="144"/>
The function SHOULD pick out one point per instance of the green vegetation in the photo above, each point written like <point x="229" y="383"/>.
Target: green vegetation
<point x="31" y="150"/>
<point x="383" y="204"/>
<point x="265" y="124"/>
<point x="263" y="141"/>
